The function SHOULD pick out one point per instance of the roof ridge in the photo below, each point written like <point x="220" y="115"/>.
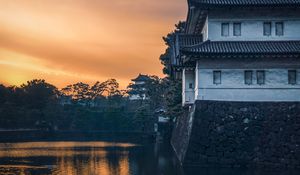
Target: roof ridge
<point x="224" y="41"/>
<point x="265" y="3"/>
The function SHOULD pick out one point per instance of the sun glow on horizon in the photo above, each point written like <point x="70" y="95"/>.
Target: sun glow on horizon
<point x="13" y="65"/>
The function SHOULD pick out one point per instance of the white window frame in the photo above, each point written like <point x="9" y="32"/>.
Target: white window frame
<point x="294" y="80"/>
<point x="235" y="26"/>
<point x="264" y="28"/>
<point x="248" y="80"/>
<point x="224" y="24"/>
<point x="258" y="77"/>
<point x="217" y="77"/>
<point x="277" y="28"/>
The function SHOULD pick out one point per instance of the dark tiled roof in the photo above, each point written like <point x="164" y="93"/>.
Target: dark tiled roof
<point x="246" y="2"/>
<point x="245" y="47"/>
<point x="186" y="40"/>
<point x="141" y="78"/>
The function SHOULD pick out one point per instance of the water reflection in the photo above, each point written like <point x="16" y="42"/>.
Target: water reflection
<point x="67" y="158"/>
<point x="102" y="158"/>
<point x="58" y="149"/>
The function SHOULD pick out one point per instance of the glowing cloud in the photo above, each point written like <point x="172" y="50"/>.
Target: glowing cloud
<point x="65" y="41"/>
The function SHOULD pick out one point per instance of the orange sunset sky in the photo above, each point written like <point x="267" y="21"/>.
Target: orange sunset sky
<point x="67" y="41"/>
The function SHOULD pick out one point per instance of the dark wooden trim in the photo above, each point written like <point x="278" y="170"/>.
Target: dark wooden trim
<point x="195" y="56"/>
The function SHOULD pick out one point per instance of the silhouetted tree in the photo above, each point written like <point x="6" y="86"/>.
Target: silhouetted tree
<point x="173" y="97"/>
<point x="165" y="58"/>
<point x="142" y="118"/>
<point x="38" y="93"/>
<point x="173" y="88"/>
<point x="154" y="89"/>
<point x="67" y="91"/>
<point x="81" y="91"/>
<point x="97" y="90"/>
<point x="111" y="87"/>
<point x="16" y="96"/>
<point x="3" y="94"/>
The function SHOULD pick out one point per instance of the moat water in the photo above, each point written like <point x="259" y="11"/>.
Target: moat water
<point x="95" y="157"/>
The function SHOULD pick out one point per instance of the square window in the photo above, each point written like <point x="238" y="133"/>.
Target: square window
<point x="191" y="85"/>
<point x="260" y="77"/>
<point x="248" y="77"/>
<point x="267" y="28"/>
<point x="225" y="29"/>
<point x="237" y="29"/>
<point x="292" y="77"/>
<point x="279" y="28"/>
<point x="217" y="77"/>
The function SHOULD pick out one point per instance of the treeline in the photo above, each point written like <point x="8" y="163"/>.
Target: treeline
<point x="40" y="105"/>
<point x="84" y="94"/>
<point x="25" y="106"/>
<point x="101" y="106"/>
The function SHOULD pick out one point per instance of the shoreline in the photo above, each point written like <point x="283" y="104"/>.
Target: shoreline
<point x="41" y="135"/>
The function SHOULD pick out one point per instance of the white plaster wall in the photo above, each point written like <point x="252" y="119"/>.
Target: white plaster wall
<point x="196" y="81"/>
<point x="188" y="95"/>
<point x="252" y="24"/>
<point x="139" y="82"/>
<point x="250" y="95"/>
<point x="205" y="30"/>
<point x="248" y="63"/>
<point x="233" y="87"/>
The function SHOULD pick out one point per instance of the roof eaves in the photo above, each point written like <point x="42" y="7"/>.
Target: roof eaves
<point x="244" y="3"/>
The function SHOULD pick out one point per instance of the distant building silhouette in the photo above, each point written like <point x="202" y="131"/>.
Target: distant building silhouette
<point x="138" y="88"/>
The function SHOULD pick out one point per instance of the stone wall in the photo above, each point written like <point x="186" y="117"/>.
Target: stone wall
<point x="181" y="134"/>
<point x="239" y="134"/>
<point x="252" y="23"/>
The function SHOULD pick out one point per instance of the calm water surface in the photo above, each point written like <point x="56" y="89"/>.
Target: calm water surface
<point x="99" y="158"/>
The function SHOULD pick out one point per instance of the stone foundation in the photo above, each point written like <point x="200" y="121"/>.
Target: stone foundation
<point x="239" y="134"/>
